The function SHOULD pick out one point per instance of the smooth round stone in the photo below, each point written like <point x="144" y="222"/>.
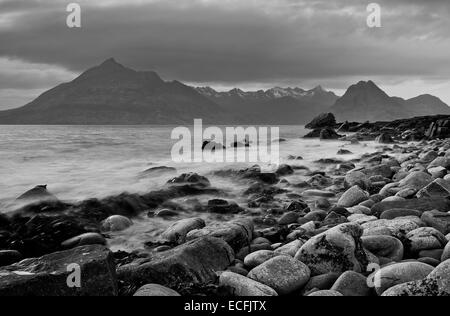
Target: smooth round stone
<point x="352" y="284"/>
<point x="356" y="178"/>
<point x="399" y="273"/>
<point x="260" y="240"/>
<point x="398" y="227"/>
<point x="393" y="199"/>
<point x="243" y="286"/>
<point x="446" y="253"/>
<point x="323" y="204"/>
<point x="319" y="193"/>
<point x="84" y="240"/>
<point x="430" y="261"/>
<point x="289" y="218"/>
<point x="178" y="231"/>
<point x="290" y="249"/>
<point x="325" y="293"/>
<point x="258" y="257"/>
<point x="8" y="257"/>
<point x="284" y="274"/>
<point x="438" y="220"/>
<point x="116" y="223"/>
<point x="384" y="247"/>
<point x="352" y="197"/>
<point x="361" y="218"/>
<point x="321" y="282"/>
<point x="335" y="250"/>
<point x="155" y="290"/>
<point x="359" y="209"/>
<point x="315" y="216"/>
<point x="399" y="212"/>
<point x="368" y="203"/>
<point x="434" y="253"/>
<point x="426" y="238"/>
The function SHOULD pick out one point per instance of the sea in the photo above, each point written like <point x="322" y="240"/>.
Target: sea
<point x="81" y="162"/>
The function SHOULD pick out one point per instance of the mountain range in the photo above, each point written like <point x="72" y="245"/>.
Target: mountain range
<point x="111" y="93"/>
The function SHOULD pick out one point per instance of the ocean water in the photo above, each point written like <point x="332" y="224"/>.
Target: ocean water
<point x="79" y="162"/>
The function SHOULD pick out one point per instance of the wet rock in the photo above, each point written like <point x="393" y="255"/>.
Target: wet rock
<point x="284" y="170"/>
<point x="425" y="238"/>
<point x="284" y="274"/>
<point x="384" y="138"/>
<point x="237" y="233"/>
<point x="84" y="240"/>
<point x="319" y="193"/>
<point x="361" y="218"/>
<point x="289" y="218"/>
<point x="325" y="293"/>
<point x="223" y="207"/>
<point x="321" y="121"/>
<point x="258" y="257"/>
<point x="422" y="205"/>
<point x="321" y="282"/>
<point x="399" y="273"/>
<point x="329" y="134"/>
<point x="437" y="188"/>
<point x="156" y="171"/>
<point x="446" y="253"/>
<point x="178" y="231"/>
<point x="398" y="227"/>
<point x="399" y="212"/>
<point x="383" y="170"/>
<point x="344" y="152"/>
<point x="433" y="254"/>
<point x="352" y="197"/>
<point x="191" y="178"/>
<point x="290" y="249"/>
<point x="440" y="162"/>
<point x="337" y="250"/>
<point x="164" y="213"/>
<point x="48" y="275"/>
<point x="437" y="172"/>
<point x="384" y="247"/>
<point x="243" y="286"/>
<point x="195" y="262"/>
<point x="39" y="192"/>
<point x="155" y="290"/>
<point x="8" y="257"/>
<point x="352" y="284"/>
<point x="116" y="223"/>
<point x="356" y="178"/>
<point x="245" y="251"/>
<point x="437" y="283"/>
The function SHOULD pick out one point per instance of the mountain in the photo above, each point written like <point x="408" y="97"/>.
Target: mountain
<point x="113" y="94"/>
<point x="273" y="106"/>
<point x="365" y="101"/>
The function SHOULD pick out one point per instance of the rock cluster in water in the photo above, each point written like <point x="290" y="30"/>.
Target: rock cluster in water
<point x="378" y="225"/>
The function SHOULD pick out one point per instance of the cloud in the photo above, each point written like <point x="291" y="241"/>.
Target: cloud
<point x="234" y="42"/>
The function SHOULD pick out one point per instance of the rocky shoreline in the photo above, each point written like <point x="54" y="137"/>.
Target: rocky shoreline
<point x="376" y="225"/>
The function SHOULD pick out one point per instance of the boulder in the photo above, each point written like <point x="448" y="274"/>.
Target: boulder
<point x="156" y="290"/>
<point x="177" y="232"/>
<point x="243" y="286"/>
<point x="52" y="274"/>
<point x="438" y="220"/>
<point x="384" y="247"/>
<point x="351" y="283"/>
<point x="290" y="249"/>
<point x="284" y="274"/>
<point x="399" y="273"/>
<point x="329" y="134"/>
<point x="258" y="257"/>
<point x="339" y="249"/>
<point x="384" y="138"/>
<point x="237" y="234"/>
<point x="398" y="227"/>
<point x="194" y="262"/>
<point x="116" y="223"/>
<point x="437" y="188"/>
<point x="84" y="240"/>
<point x="38" y="193"/>
<point x="356" y="178"/>
<point x="383" y="170"/>
<point x="321" y="121"/>
<point x="352" y="197"/>
<point x="425" y="238"/>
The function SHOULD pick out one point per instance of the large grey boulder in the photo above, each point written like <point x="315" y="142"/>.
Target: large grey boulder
<point x="56" y="274"/>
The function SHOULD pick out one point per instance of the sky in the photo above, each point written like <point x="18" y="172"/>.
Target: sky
<point x="250" y="44"/>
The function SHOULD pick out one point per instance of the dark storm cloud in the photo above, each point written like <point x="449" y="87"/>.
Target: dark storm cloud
<point x="231" y="41"/>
